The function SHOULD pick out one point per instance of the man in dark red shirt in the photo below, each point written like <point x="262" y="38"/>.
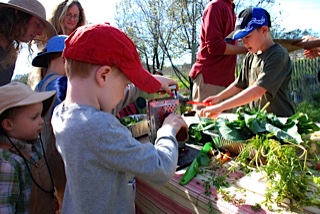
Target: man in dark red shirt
<point x="214" y="68"/>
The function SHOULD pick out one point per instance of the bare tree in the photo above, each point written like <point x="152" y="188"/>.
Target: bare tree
<point x="23" y="78"/>
<point x="162" y="30"/>
<point x="166" y="30"/>
<point x="143" y="21"/>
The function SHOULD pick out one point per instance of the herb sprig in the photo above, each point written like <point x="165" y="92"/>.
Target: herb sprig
<point x="285" y="168"/>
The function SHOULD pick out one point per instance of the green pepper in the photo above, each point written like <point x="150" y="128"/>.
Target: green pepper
<point x="202" y="159"/>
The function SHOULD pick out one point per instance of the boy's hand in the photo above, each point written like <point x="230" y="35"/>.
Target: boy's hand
<point x="311" y="54"/>
<point x="166" y="82"/>
<point x="211" y="111"/>
<point x="176" y="121"/>
<point x="212" y="100"/>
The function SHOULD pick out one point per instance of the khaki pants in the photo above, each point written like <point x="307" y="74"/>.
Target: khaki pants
<point x="202" y="90"/>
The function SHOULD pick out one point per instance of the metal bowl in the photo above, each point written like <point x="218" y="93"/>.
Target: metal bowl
<point x="235" y="147"/>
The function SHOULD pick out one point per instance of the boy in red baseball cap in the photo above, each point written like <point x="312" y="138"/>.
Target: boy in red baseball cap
<point x="100" y="155"/>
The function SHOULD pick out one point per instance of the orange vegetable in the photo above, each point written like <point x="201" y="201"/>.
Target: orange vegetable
<point x="225" y="157"/>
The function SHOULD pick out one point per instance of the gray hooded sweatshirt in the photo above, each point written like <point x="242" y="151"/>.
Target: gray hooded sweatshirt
<point x="102" y="159"/>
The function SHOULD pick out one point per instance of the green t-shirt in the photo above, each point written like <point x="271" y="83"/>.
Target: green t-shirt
<point x="271" y="70"/>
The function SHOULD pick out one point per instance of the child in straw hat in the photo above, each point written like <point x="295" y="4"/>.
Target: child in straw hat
<point x="100" y="155"/>
<point x="20" y="21"/>
<point x="25" y="179"/>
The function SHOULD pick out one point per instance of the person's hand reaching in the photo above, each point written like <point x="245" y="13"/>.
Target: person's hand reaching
<point x="212" y="100"/>
<point x="178" y="123"/>
<point x="212" y="111"/>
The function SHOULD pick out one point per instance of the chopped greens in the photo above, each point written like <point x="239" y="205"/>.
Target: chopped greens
<point x="127" y="121"/>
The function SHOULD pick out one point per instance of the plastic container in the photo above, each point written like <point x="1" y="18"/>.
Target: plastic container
<point x="140" y="128"/>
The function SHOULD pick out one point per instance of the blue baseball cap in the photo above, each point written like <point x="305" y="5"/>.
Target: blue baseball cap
<point x="248" y="20"/>
<point x="54" y="45"/>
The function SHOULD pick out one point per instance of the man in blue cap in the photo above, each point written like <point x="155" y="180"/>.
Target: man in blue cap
<point x="266" y="70"/>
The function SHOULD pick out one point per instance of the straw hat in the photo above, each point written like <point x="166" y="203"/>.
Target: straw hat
<point x="17" y="94"/>
<point x="34" y="8"/>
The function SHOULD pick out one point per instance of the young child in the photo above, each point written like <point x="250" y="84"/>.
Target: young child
<point x="55" y="77"/>
<point x="100" y="155"/>
<point x="21" y="111"/>
<point x="266" y="70"/>
<point x="54" y="80"/>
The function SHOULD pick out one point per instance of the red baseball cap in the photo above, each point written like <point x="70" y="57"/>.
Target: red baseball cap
<point x="103" y="44"/>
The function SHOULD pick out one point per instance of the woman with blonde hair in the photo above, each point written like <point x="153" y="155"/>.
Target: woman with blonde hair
<point x="67" y="16"/>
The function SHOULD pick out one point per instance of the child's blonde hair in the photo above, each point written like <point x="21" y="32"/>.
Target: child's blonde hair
<point x="76" y="68"/>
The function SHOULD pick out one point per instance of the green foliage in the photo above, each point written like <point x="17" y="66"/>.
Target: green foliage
<point x="127" y="121"/>
<point x="182" y="87"/>
<point x="281" y="167"/>
<point x="255" y="122"/>
<point x="23" y="78"/>
<point x="279" y="33"/>
<point x="311" y="108"/>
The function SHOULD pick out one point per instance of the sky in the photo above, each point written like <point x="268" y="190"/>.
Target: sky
<point x="296" y="14"/>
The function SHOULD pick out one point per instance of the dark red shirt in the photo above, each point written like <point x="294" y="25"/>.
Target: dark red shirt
<point x="218" y="21"/>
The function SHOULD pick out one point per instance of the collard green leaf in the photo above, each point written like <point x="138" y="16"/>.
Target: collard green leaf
<point x="256" y="125"/>
<point x="292" y="135"/>
<point x="229" y="134"/>
<point x="277" y="121"/>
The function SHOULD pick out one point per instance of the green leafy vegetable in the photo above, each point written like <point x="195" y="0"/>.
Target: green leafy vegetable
<point x="276" y="146"/>
<point x="127" y="121"/>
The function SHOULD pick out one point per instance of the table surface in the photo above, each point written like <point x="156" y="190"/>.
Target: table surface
<point x="191" y="198"/>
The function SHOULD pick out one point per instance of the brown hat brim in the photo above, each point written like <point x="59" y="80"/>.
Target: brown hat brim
<point x="16" y="94"/>
<point x="49" y="29"/>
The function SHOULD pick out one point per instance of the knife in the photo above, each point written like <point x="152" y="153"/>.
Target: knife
<point x="192" y="102"/>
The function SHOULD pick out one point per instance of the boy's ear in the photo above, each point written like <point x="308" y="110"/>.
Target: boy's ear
<point x="6" y="124"/>
<point x="102" y="74"/>
<point x="265" y="29"/>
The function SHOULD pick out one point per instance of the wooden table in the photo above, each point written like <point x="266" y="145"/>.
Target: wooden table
<point x="191" y="198"/>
